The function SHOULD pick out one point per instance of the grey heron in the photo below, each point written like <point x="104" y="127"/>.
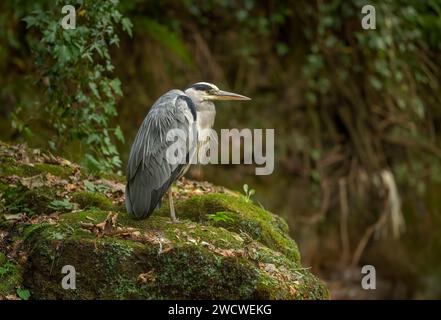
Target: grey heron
<point x="149" y="173"/>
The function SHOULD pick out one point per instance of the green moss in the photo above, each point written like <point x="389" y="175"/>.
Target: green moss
<point x="189" y="270"/>
<point x="10" y="276"/>
<point x="31" y="229"/>
<point x="178" y="233"/>
<point x="88" y="200"/>
<point x="9" y="167"/>
<point x="260" y="224"/>
<point x="56" y="170"/>
<point x="20" y="199"/>
<point x="224" y="247"/>
<point x="113" y="176"/>
<point x="3" y="258"/>
<point x="3" y="187"/>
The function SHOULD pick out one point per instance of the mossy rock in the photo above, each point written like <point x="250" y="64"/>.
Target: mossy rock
<point x="89" y="200"/>
<point x="196" y="262"/>
<point x="241" y="215"/>
<point x="224" y="246"/>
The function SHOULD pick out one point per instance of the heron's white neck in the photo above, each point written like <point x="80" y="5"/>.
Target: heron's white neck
<point x="205" y="109"/>
<point x="206" y="113"/>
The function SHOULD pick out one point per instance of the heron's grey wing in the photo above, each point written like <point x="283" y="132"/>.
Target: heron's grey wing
<point x="149" y="173"/>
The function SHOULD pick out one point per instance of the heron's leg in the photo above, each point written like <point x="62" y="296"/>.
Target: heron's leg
<point x="172" y="207"/>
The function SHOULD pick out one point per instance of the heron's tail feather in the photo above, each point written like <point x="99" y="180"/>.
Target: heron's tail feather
<point x="144" y="192"/>
<point x="139" y="199"/>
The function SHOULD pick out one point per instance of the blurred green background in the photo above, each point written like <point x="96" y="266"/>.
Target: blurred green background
<point x="356" y="112"/>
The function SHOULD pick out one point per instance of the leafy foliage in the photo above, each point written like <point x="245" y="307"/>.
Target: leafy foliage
<point x="24" y="294"/>
<point x="91" y="187"/>
<point x="220" y="216"/>
<point x="63" y="205"/>
<point x="348" y="104"/>
<point x="5" y="268"/>
<point x="75" y="70"/>
<point x="14" y="198"/>
<point x="396" y="107"/>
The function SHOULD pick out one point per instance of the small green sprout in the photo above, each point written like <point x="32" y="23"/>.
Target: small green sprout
<point x="24" y="294"/>
<point x="248" y="192"/>
<point x="61" y="205"/>
<point x="220" y="216"/>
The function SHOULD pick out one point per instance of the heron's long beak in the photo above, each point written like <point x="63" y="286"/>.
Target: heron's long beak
<point x="225" y="95"/>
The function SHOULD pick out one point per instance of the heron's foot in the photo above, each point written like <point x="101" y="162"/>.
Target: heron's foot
<point x="173" y="216"/>
<point x="174" y="220"/>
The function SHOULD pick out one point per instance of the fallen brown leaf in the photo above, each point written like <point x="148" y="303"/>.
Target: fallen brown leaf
<point x="70" y="187"/>
<point x="103" y="228"/>
<point x="147" y="277"/>
<point x="292" y="290"/>
<point x="223" y="252"/>
<point x="50" y="178"/>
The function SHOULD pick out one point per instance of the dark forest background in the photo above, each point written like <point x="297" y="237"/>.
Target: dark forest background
<point x="356" y="112"/>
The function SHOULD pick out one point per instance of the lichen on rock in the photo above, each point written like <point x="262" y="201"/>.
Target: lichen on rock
<point x="224" y="246"/>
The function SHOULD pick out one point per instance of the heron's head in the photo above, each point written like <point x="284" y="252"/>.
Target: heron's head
<point x="204" y="91"/>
